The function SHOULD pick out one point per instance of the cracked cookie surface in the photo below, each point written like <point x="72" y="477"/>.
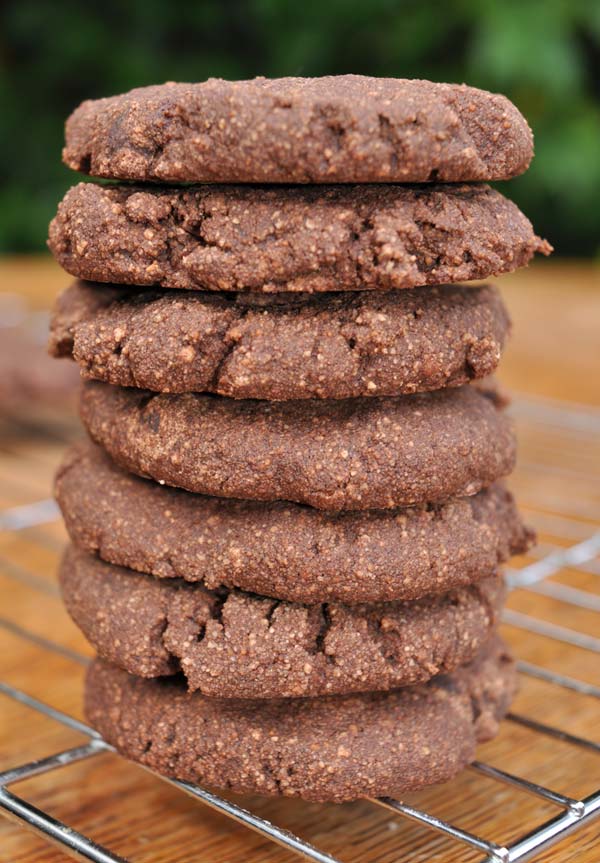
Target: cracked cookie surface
<point x="284" y="550"/>
<point x="347" y="454"/>
<point x="290" y="239"/>
<point x="232" y="644"/>
<point x="325" y="346"/>
<point x="337" y="129"/>
<point x="327" y="749"/>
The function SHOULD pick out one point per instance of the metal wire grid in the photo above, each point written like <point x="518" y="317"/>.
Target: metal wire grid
<point x="582" y="556"/>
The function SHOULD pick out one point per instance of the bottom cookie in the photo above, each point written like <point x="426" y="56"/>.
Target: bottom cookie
<point x="329" y="749"/>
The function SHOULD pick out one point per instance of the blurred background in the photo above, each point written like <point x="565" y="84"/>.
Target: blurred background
<point x="543" y="54"/>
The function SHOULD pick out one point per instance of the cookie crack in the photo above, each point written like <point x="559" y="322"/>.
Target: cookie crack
<point x="388" y="135"/>
<point x="325" y="626"/>
<point x="145" y="400"/>
<point x="271" y="611"/>
<point x="231" y="346"/>
<point x="329" y="121"/>
<point x="176" y="133"/>
<point x="172" y="659"/>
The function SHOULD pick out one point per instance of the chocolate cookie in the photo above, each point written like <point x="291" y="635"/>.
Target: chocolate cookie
<point x="231" y="644"/>
<point x="284" y="550"/>
<point x="269" y="239"/>
<point x="496" y="392"/>
<point x="326" y="749"/>
<point x="32" y="386"/>
<point x="375" y="453"/>
<point x="326" y="346"/>
<point x="341" y="129"/>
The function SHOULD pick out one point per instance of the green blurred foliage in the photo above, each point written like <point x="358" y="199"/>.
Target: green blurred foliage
<point x="544" y="54"/>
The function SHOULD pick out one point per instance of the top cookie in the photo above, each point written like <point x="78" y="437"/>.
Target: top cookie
<point x="342" y="129"/>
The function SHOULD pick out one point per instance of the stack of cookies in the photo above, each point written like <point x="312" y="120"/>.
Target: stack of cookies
<point x="288" y="523"/>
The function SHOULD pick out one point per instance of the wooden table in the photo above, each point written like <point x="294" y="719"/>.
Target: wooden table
<point x="555" y="354"/>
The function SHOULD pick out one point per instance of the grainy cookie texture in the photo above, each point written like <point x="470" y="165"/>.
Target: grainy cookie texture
<point x="284" y="550"/>
<point x="340" y="129"/>
<point x="325" y="346"/>
<point x="349" y="454"/>
<point x="231" y="644"/>
<point x="327" y="749"/>
<point x="307" y="239"/>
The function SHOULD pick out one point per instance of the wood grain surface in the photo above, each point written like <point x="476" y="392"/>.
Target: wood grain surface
<point x="554" y="354"/>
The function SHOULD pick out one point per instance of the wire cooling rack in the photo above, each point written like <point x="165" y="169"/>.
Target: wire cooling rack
<point x="558" y="490"/>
